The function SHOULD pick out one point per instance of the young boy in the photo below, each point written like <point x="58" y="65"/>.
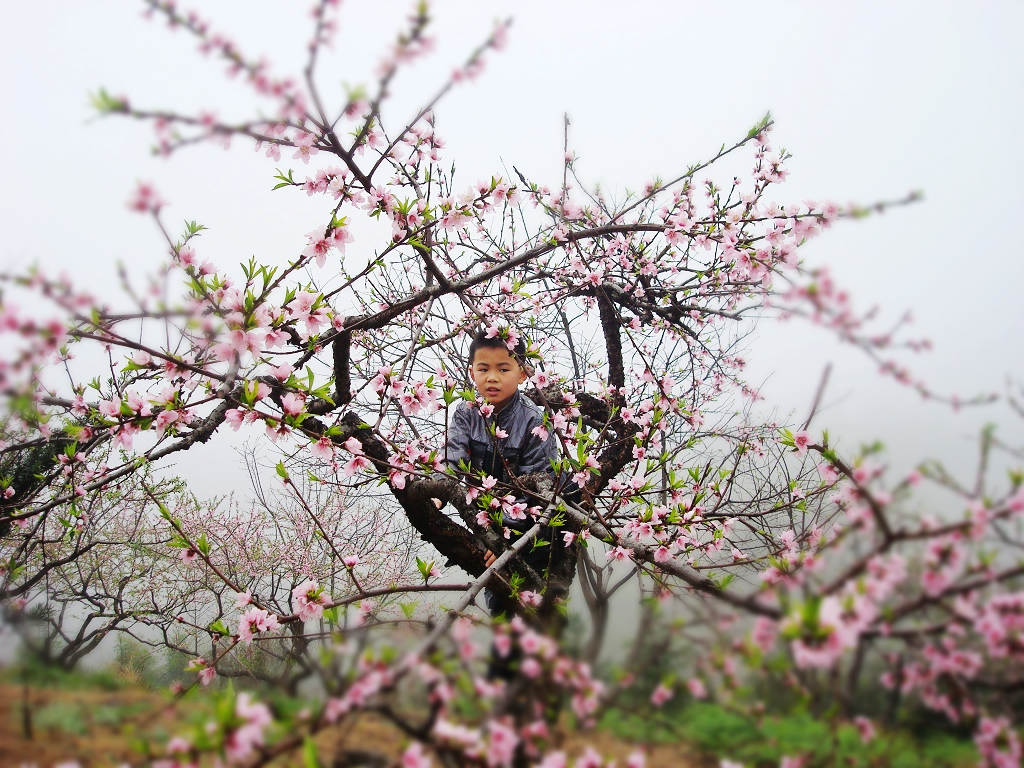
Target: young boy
<point x="498" y="438"/>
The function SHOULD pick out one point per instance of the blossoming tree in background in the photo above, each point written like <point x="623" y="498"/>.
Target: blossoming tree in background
<point x="348" y="356"/>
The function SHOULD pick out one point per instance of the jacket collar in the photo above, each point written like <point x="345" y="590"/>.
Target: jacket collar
<point x="506" y="414"/>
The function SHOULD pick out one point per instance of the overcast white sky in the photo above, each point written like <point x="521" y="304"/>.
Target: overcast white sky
<point x="872" y="98"/>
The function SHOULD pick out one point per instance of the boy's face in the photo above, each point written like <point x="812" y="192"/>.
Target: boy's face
<point x="496" y="375"/>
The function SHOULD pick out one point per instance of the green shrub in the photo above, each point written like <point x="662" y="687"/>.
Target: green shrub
<point x="30" y="669"/>
<point x="721" y="733"/>
<point x="64" y="716"/>
<point x="712" y="727"/>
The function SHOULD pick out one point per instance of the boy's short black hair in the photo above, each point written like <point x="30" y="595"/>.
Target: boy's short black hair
<point x="518" y="352"/>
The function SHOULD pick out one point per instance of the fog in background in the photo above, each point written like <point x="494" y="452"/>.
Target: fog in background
<point x="873" y="99"/>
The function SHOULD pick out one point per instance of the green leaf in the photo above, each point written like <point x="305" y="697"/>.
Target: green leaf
<point x="249" y="391"/>
<point x="226" y="708"/>
<point x="219" y="627"/>
<point x="309" y="755"/>
<point x="760" y="125"/>
<point x="424" y="567"/>
<point x="281" y="471"/>
<point x="285" y="181"/>
<point x="103" y="102"/>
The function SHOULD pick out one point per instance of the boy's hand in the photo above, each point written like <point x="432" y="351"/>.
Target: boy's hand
<point x="489" y="558"/>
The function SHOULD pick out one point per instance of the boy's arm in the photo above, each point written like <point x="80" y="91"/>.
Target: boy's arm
<point x="536" y="457"/>
<point x="537" y="454"/>
<point x="456" y="449"/>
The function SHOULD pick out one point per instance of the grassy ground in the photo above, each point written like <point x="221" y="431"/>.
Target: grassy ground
<point x="763" y="741"/>
<point x="94" y="721"/>
<point x="83" y="724"/>
<point x="95" y="717"/>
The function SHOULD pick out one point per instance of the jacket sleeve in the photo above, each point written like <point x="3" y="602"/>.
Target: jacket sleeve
<point x="456" y="449"/>
<point x="537" y="454"/>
